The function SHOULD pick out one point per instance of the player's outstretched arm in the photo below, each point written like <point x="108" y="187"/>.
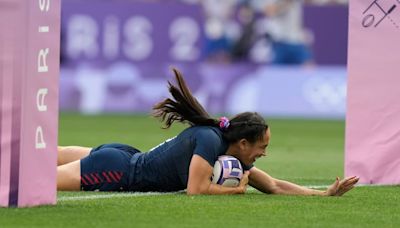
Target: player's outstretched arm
<point x="199" y="182"/>
<point x="265" y="183"/>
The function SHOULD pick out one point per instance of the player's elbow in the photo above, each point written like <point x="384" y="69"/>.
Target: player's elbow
<point x="192" y="192"/>
<point x="196" y="190"/>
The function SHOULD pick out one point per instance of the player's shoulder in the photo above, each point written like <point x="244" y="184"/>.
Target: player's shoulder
<point x="205" y="130"/>
<point x="206" y="133"/>
<point x="202" y="131"/>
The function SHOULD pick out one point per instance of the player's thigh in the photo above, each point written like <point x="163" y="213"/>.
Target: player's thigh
<point x="69" y="176"/>
<point x="106" y="169"/>
<point x="68" y="154"/>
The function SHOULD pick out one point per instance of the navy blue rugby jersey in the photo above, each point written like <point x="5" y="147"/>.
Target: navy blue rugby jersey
<point x="166" y="167"/>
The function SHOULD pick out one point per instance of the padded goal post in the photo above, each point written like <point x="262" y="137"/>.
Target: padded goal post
<point x="373" y="106"/>
<point x="29" y="72"/>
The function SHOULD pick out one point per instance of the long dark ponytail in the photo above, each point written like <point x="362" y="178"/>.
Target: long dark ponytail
<point x="184" y="107"/>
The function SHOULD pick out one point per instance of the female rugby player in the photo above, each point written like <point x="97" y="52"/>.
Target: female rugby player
<point x="185" y="161"/>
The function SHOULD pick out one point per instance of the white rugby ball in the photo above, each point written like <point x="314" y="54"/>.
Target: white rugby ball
<point x="227" y="171"/>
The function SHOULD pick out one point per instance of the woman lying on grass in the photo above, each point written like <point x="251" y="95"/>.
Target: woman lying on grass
<point x="185" y="161"/>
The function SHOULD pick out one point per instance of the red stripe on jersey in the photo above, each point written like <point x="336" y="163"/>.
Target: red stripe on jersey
<point x="88" y="179"/>
<point x="107" y="178"/>
<point x="99" y="177"/>
<point x="117" y="175"/>
<point x="94" y="178"/>
<point x="112" y="176"/>
<point x="83" y="181"/>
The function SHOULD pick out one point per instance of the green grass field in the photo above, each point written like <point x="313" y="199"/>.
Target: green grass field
<point x="307" y="152"/>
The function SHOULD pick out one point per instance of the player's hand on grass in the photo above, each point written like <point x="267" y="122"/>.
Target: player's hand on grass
<point x="340" y="187"/>
<point x="244" y="181"/>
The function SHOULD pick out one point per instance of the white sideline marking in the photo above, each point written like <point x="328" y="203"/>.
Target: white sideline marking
<point x="140" y="194"/>
<point x="316" y="186"/>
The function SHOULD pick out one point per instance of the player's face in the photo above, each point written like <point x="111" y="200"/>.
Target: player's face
<point x="252" y="151"/>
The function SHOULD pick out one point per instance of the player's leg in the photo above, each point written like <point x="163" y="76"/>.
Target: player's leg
<point x="67" y="154"/>
<point x="69" y="176"/>
<point x="106" y="169"/>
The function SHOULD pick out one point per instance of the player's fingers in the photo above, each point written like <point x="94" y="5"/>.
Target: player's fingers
<point x="351" y="178"/>
<point x="347" y="187"/>
<point x="344" y="190"/>
<point x="348" y="179"/>
<point x="245" y="178"/>
<point x="353" y="181"/>
<point x="337" y="183"/>
<point x="350" y="182"/>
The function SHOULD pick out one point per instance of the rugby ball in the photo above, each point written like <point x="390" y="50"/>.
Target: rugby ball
<point x="227" y="171"/>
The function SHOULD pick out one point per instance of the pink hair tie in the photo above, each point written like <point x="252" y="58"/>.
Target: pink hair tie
<point x="224" y="123"/>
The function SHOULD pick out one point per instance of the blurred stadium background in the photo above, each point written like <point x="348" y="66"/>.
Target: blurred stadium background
<point x="116" y="55"/>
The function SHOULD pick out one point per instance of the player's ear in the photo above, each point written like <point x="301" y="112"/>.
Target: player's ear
<point x="243" y="143"/>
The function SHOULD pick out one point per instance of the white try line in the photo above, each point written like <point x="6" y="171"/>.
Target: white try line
<point x="141" y="194"/>
<point x="132" y="194"/>
<point x="113" y="195"/>
<point x="316" y="186"/>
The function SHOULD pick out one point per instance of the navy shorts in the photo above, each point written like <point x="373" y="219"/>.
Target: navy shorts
<point x="106" y="168"/>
